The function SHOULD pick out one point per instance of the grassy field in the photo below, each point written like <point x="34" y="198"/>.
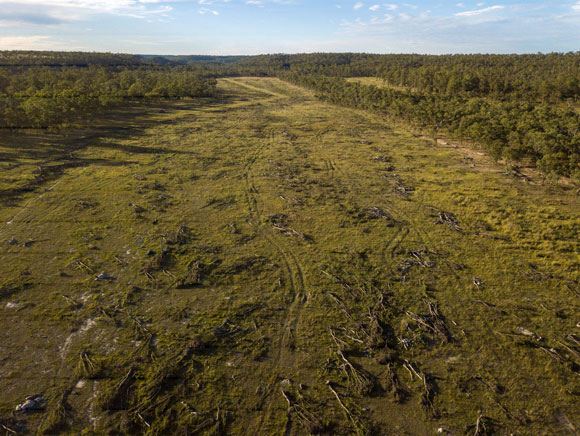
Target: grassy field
<point x="266" y="264"/>
<point x="376" y="81"/>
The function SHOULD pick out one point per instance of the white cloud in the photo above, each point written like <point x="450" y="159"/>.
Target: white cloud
<point x="44" y="12"/>
<point x="374" y="8"/>
<point x="358" y="5"/>
<point x="479" y="11"/>
<point x="576" y="6"/>
<point x="92" y="5"/>
<point x="38" y="42"/>
<point x="204" y="11"/>
<point x="391" y="7"/>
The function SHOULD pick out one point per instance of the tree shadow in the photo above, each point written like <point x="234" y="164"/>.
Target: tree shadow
<point x="53" y="151"/>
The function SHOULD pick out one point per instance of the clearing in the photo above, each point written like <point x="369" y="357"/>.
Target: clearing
<point x="264" y="263"/>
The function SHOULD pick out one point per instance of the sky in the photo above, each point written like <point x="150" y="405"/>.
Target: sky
<point x="228" y="27"/>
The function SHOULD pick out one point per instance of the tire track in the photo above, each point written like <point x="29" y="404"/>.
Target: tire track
<point x="296" y="279"/>
<point x="331" y="164"/>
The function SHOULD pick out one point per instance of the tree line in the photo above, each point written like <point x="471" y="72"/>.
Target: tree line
<point x="52" y="95"/>
<point x="544" y="135"/>
<point x="545" y="77"/>
<point x="522" y="108"/>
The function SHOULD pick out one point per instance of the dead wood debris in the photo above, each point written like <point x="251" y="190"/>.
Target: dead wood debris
<point x="194" y="276"/>
<point x="306" y="418"/>
<point x="404" y="190"/>
<point x="137" y="210"/>
<point x="346" y="286"/>
<point x="482" y="427"/>
<point x="428" y="389"/>
<point x="393" y="385"/>
<point x="83" y="266"/>
<point x="450" y="220"/>
<point x="359" y="380"/>
<point x="348" y="413"/>
<point x="573" y="339"/>
<point x="227" y="328"/>
<point x="279" y="222"/>
<point x="105" y="277"/>
<point x="432" y="322"/>
<point x="289" y="231"/>
<point x="399" y="187"/>
<point x="375" y="212"/>
<point x="8" y="430"/>
<point x="86" y="368"/>
<point x="117" y="398"/>
<point x="31" y="403"/>
<point x="527" y="333"/>
<point x="418" y="258"/>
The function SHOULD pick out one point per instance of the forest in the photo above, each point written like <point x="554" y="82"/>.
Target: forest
<point x="38" y="90"/>
<point x="523" y="109"/>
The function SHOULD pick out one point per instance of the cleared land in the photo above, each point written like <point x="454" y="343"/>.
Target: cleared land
<point x="376" y="81"/>
<point x="268" y="264"/>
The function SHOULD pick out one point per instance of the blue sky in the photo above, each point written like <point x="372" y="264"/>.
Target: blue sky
<point x="290" y="26"/>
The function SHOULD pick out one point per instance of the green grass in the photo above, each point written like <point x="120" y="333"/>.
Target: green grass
<point x="376" y="81"/>
<point x="264" y="244"/>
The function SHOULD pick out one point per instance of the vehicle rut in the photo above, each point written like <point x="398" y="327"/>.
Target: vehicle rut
<point x="281" y="356"/>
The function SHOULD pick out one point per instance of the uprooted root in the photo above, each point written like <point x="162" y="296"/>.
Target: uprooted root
<point x="158" y="262"/>
<point x="179" y="237"/>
